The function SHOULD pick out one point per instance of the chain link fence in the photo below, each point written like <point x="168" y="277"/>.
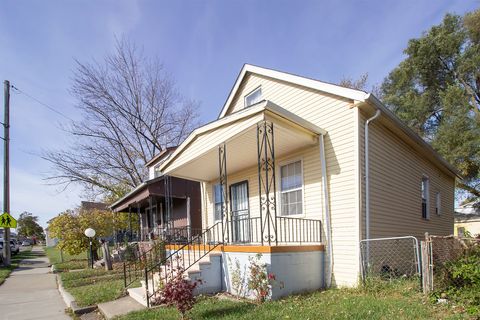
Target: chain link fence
<point x="388" y="258"/>
<point x="450" y="263"/>
<point x="447" y="267"/>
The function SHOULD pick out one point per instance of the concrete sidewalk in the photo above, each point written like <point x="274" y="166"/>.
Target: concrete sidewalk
<point x="30" y="293"/>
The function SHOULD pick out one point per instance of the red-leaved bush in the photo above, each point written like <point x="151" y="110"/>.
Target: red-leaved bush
<point x="178" y="292"/>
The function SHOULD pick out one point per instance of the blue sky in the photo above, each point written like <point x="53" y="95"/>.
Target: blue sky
<point x="202" y="44"/>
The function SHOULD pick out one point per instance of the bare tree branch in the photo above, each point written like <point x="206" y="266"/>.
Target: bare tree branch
<point x="131" y="111"/>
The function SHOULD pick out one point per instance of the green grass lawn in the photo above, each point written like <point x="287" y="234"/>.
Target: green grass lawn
<point x="87" y="286"/>
<point x="399" y="301"/>
<point x="90" y="287"/>
<point x="16" y="258"/>
<point x="70" y="262"/>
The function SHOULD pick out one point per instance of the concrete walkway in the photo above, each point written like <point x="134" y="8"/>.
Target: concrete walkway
<point x="30" y="293"/>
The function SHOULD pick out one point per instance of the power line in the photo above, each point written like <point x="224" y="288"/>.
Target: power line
<point x="41" y="103"/>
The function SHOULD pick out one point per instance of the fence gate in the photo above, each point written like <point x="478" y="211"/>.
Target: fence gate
<point x="389" y="258"/>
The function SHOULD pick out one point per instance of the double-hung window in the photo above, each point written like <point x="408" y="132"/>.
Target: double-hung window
<point x="218" y="201"/>
<point x="291" y="189"/>
<point x="425" y="192"/>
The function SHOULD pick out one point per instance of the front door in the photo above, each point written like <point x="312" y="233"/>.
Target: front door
<point x="240" y="212"/>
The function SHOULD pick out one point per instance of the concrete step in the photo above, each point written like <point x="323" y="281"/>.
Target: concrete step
<point x="205" y="272"/>
<point x="120" y="307"/>
<point x="138" y="294"/>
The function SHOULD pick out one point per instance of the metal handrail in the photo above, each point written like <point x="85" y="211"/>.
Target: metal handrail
<point x="197" y="247"/>
<point x="133" y="270"/>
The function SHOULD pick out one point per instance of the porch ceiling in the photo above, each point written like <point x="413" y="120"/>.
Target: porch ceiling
<point x="199" y="159"/>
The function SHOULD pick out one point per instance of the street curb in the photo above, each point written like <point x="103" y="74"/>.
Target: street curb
<point x="70" y="300"/>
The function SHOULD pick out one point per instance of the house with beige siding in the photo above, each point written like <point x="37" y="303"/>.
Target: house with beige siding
<point x="301" y="170"/>
<point x="467" y="220"/>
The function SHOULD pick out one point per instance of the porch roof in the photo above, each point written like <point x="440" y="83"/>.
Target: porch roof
<point x="139" y="195"/>
<point x="197" y="157"/>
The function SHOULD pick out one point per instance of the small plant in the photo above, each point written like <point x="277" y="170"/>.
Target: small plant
<point x="177" y="291"/>
<point x="260" y="281"/>
<point x="238" y="278"/>
<point x="461" y="280"/>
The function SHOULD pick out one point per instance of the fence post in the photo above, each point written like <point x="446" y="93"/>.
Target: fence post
<point x="427" y="274"/>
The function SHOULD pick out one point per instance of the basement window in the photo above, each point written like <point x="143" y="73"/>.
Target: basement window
<point x="253" y="97"/>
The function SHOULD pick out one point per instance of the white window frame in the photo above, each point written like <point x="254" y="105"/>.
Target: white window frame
<point x="279" y="187"/>
<point x="438" y="203"/>
<point x="427" y="191"/>
<point x="214" y="201"/>
<point x="249" y="94"/>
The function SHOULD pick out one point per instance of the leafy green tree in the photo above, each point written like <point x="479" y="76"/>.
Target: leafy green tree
<point x="28" y="227"/>
<point x="436" y="91"/>
<point x="69" y="227"/>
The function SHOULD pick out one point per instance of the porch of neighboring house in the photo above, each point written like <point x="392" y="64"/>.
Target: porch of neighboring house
<point x="165" y="208"/>
<point x="235" y="159"/>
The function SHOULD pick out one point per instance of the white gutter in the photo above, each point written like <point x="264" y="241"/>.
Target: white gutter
<point x="367" y="178"/>
<point x="326" y="210"/>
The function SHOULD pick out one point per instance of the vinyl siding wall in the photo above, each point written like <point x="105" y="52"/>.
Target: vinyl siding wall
<point x="396" y="171"/>
<point x="335" y="115"/>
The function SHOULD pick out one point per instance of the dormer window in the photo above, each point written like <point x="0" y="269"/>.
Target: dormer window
<point x="253" y="97"/>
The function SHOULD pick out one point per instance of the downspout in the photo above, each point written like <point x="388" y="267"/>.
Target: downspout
<point x="326" y="209"/>
<point x="367" y="180"/>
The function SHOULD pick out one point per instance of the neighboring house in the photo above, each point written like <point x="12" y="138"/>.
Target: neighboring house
<point x="88" y="205"/>
<point x="467" y="220"/>
<point x="166" y="206"/>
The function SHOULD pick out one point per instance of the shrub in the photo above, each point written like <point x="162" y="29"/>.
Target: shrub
<point x="177" y="292"/>
<point x="466" y="270"/>
<point x="260" y="280"/>
<point x="461" y="280"/>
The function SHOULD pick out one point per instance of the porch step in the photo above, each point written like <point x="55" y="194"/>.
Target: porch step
<point x="138" y="294"/>
<point x="207" y="272"/>
<point x="120" y="307"/>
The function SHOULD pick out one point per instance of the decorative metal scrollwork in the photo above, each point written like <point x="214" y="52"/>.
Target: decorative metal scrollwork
<point x="222" y="162"/>
<point x="266" y="182"/>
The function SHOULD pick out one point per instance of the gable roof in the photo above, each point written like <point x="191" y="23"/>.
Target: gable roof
<point x="358" y="97"/>
<point x="162" y="154"/>
<point x="260" y="107"/>
<point x="334" y="89"/>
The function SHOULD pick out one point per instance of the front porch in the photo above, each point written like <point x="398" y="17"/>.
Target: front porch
<point x="165" y="208"/>
<point x="244" y="190"/>
<point x="251" y="205"/>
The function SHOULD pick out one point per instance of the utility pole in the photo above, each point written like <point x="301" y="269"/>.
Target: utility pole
<point x="6" y="172"/>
